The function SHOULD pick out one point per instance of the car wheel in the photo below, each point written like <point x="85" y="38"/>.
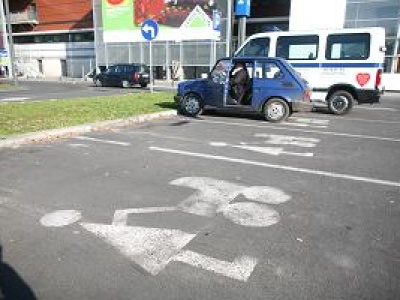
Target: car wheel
<point x="191" y="105"/>
<point x="97" y="82"/>
<point x="143" y="85"/>
<point x="125" y="84"/>
<point x="340" y="102"/>
<point x="276" y="110"/>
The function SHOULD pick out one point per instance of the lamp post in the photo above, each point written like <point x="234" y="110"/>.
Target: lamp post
<point x="10" y="42"/>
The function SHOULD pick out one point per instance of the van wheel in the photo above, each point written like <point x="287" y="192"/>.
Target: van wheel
<point x="191" y="105"/>
<point x="143" y="85"/>
<point x="125" y="83"/>
<point x="276" y="110"/>
<point x="340" y="102"/>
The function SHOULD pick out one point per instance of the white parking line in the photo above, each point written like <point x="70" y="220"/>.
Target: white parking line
<point x="274" y="166"/>
<point x="375" y="108"/>
<point x="102" y="141"/>
<point x="370" y="137"/>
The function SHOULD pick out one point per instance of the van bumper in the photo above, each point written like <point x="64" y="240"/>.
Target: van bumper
<point x="368" y="96"/>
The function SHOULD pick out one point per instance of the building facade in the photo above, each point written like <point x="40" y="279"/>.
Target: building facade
<point x="67" y="38"/>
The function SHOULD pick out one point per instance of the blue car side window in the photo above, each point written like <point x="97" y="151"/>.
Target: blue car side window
<point x="268" y="70"/>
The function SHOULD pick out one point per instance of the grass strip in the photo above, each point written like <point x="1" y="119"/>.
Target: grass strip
<point x="19" y="118"/>
<point x="6" y="86"/>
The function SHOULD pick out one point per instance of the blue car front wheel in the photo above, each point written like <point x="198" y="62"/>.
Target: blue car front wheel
<point x="191" y="105"/>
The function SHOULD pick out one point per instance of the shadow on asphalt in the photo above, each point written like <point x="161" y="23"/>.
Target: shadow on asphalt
<point x="169" y="105"/>
<point x="12" y="286"/>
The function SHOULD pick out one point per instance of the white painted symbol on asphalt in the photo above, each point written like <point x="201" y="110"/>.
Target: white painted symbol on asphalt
<point x="265" y="150"/>
<point x="274" y="140"/>
<point x="154" y="248"/>
<point x="306" y="122"/>
<point x="61" y="218"/>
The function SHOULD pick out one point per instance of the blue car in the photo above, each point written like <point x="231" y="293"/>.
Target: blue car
<point x="273" y="88"/>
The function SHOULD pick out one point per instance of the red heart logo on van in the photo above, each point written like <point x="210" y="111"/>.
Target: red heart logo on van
<point x="363" y="78"/>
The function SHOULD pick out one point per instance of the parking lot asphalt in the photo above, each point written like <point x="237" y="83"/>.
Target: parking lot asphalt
<point x="52" y="90"/>
<point x="218" y="207"/>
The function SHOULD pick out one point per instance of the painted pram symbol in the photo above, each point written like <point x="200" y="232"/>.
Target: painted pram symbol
<point x="154" y="248"/>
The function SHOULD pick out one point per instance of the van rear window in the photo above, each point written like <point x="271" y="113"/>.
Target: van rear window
<point x="255" y="47"/>
<point x="351" y="46"/>
<point x="303" y="47"/>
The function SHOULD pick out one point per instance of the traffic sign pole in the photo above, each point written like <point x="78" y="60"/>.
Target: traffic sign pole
<point x="151" y="67"/>
<point x="149" y="33"/>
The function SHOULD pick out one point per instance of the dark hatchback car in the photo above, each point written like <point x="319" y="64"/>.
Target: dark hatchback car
<point x="124" y="75"/>
<point x="274" y="88"/>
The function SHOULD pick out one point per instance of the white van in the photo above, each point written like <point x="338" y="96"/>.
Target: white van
<point x="342" y="66"/>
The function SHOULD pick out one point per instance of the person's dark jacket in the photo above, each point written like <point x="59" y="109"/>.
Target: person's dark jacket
<point x="239" y="81"/>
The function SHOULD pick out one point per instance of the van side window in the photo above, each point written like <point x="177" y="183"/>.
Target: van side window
<point x="302" y="47"/>
<point x="255" y="47"/>
<point x="267" y="70"/>
<point x="352" y="46"/>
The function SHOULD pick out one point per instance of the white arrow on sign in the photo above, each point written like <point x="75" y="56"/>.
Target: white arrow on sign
<point x="146" y="28"/>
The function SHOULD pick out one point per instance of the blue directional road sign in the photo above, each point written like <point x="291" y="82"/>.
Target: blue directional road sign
<point x="216" y="20"/>
<point x="149" y="29"/>
<point x="242" y="8"/>
<point x="3" y="53"/>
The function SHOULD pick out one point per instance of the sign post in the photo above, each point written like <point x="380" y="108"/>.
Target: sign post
<point x="149" y="32"/>
<point x="217" y="28"/>
<point x="242" y="11"/>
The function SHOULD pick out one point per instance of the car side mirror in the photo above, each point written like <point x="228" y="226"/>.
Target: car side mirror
<point x="204" y="75"/>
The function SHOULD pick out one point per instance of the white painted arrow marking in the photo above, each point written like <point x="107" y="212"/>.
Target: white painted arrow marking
<point x="265" y="150"/>
<point x="276" y="139"/>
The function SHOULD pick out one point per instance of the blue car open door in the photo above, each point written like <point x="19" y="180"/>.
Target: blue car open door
<point x="219" y="83"/>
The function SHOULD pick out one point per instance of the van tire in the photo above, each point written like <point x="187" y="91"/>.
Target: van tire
<point x="191" y="105"/>
<point x="276" y="110"/>
<point x="340" y="102"/>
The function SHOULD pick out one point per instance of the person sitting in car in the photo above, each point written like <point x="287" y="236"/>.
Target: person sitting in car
<point x="239" y="78"/>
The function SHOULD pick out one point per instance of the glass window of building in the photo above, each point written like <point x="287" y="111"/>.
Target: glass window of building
<point x="381" y="13"/>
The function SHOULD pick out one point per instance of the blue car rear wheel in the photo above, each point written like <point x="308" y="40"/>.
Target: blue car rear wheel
<point x="276" y="110"/>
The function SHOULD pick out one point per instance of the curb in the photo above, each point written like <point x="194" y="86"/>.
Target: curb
<point x="67" y="132"/>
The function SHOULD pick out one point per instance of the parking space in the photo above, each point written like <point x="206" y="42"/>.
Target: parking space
<point x="217" y="207"/>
